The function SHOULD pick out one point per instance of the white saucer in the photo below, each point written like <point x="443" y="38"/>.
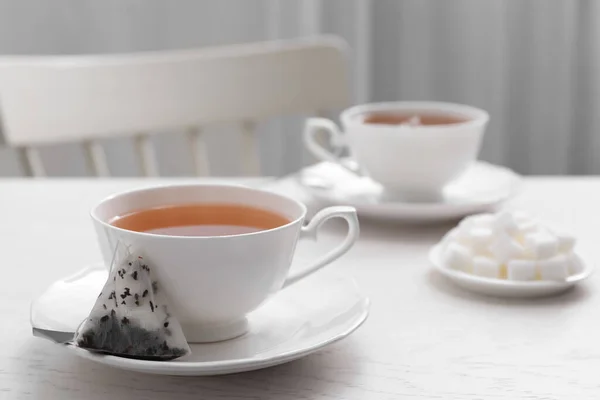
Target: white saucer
<point x="296" y="322"/>
<point x="503" y="287"/>
<point x="484" y="187"/>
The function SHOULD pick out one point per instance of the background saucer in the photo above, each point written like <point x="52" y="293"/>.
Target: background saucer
<point x="484" y="187"/>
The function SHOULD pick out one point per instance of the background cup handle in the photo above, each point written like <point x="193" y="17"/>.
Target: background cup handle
<point x="310" y="231"/>
<point x="336" y="139"/>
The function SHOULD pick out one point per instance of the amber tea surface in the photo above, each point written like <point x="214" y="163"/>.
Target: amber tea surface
<point x="200" y="220"/>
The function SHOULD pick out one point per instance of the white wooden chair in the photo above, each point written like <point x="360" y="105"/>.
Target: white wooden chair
<point x="58" y="99"/>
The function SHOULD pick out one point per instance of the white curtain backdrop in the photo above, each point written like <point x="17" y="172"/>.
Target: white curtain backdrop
<point x="533" y="64"/>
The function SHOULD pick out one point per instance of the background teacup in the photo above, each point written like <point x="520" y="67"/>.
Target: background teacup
<point x="413" y="149"/>
<point x="213" y="282"/>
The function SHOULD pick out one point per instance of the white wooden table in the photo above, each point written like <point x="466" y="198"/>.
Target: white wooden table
<point x="425" y="339"/>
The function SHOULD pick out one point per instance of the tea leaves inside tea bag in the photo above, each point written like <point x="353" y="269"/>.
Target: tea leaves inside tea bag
<point x="131" y="317"/>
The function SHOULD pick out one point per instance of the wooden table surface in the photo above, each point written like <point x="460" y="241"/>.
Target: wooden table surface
<point x="425" y="339"/>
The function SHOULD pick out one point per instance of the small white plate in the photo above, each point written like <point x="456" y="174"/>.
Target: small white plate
<point x="503" y="287"/>
<point x="484" y="187"/>
<point x="296" y="322"/>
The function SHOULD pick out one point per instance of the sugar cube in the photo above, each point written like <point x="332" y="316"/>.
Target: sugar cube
<point x="465" y="224"/>
<point x="574" y="265"/>
<point x="485" y="266"/>
<point x="506" y="223"/>
<point x="504" y="248"/>
<point x="480" y="239"/>
<point x="565" y="242"/>
<point x="483" y="220"/>
<point x="463" y="238"/>
<point x="458" y="257"/>
<point x="526" y="227"/>
<point x="521" y="216"/>
<point x="521" y="270"/>
<point x="541" y="245"/>
<point x="554" y="268"/>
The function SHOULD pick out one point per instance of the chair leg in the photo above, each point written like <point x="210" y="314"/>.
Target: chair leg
<point x="31" y="162"/>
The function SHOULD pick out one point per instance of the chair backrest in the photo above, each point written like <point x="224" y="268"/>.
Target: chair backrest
<point x="54" y="99"/>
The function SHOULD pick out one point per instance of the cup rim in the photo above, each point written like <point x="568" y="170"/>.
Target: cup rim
<point x="117" y="195"/>
<point x="477" y="116"/>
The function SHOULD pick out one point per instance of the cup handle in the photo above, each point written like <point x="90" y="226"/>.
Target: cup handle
<point x="337" y="140"/>
<point x="310" y="231"/>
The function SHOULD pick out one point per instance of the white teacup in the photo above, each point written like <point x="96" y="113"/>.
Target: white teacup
<point x="213" y="282"/>
<point x="412" y="162"/>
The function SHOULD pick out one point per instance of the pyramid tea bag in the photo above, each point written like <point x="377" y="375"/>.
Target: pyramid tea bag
<point x="131" y="317"/>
